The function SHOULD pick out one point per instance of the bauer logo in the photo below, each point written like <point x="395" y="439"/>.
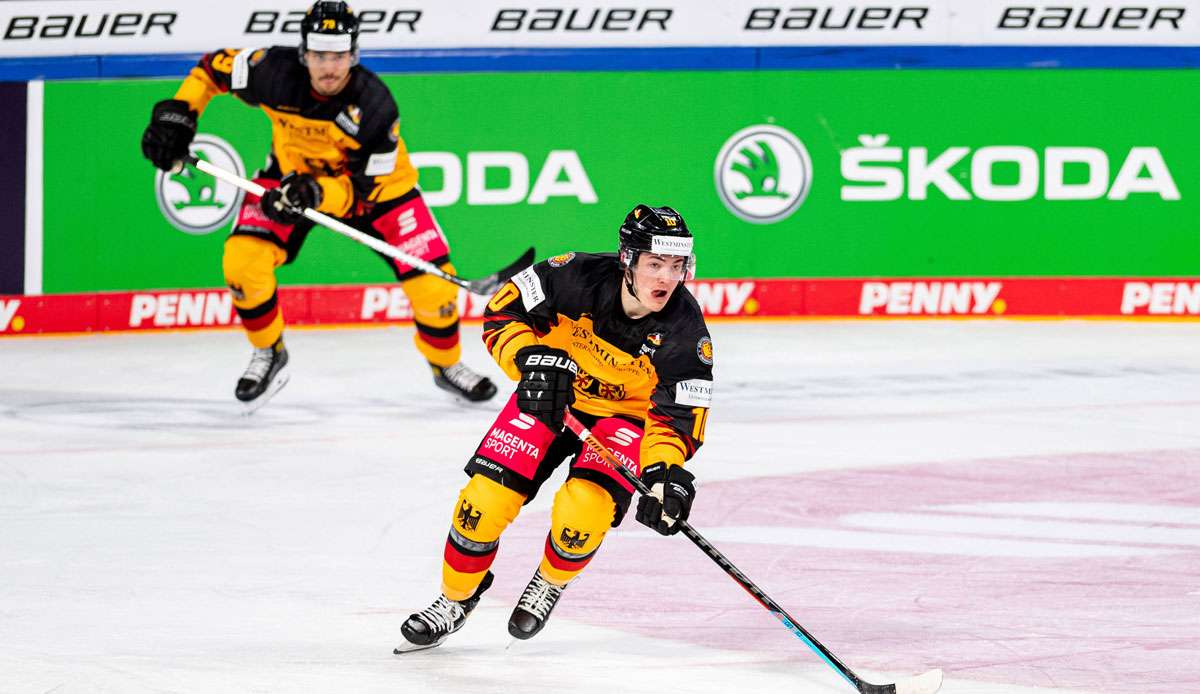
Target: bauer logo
<point x="194" y="202"/>
<point x="763" y="173"/>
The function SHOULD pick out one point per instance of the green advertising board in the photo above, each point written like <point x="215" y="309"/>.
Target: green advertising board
<point x="780" y="173"/>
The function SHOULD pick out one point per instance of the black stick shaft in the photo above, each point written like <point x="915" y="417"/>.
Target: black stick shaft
<point x="721" y="560"/>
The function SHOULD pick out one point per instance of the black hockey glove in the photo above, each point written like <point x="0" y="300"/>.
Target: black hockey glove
<point x="172" y="127"/>
<point x="546" y="387"/>
<point x="286" y="203"/>
<point x="670" y="497"/>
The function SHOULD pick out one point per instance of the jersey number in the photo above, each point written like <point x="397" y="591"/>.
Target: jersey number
<point x="700" y="417"/>
<point x="222" y="62"/>
<point x="504" y="297"/>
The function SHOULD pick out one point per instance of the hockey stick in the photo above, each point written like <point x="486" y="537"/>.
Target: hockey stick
<point x="485" y="285"/>
<point x="927" y="683"/>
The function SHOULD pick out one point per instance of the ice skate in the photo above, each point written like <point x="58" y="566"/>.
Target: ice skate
<point x="534" y="607"/>
<point x="265" y="376"/>
<point x="432" y="625"/>
<point x="460" y="380"/>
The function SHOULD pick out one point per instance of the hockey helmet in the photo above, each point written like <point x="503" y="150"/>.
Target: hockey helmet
<point x="658" y="231"/>
<point x="331" y="27"/>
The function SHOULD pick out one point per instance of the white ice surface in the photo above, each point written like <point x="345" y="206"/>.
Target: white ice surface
<point x="154" y="540"/>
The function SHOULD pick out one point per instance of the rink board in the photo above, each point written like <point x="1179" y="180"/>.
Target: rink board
<point x="738" y="299"/>
<point x="991" y="173"/>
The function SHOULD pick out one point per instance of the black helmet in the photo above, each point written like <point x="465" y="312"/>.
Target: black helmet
<point x="329" y="26"/>
<point x="656" y="230"/>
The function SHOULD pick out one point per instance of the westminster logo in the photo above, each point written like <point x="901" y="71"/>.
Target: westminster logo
<point x="763" y="173"/>
<point x="194" y="202"/>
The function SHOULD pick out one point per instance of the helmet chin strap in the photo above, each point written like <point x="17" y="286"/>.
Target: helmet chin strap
<point x="628" y="270"/>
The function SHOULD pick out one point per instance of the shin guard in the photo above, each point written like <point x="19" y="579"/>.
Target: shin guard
<point x="582" y="513"/>
<point x="435" y="311"/>
<point x="249" y="265"/>
<point x="483" y="510"/>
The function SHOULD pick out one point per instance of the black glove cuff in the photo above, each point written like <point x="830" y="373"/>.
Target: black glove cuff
<point x="175" y="112"/>
<point x="302" y="190"/>
<point x="654" y="473"/>
<point x="669" y="474"/>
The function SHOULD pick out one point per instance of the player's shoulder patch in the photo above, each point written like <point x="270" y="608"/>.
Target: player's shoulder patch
<point x="245" y="59"/>
<point x="696" y="392"/>
<point x="560" y="260"/>
<point x="530" y="285"/>
<point x="704" y="350"/>
<point x="382" y="163"/>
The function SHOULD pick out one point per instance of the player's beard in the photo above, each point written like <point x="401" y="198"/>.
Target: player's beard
<point x="330" y="83"/>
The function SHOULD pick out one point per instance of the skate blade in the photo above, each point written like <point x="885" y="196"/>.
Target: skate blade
<point x="404" y="648"/>
<point x="463" y="401"/>
<point x="281" y="379"/>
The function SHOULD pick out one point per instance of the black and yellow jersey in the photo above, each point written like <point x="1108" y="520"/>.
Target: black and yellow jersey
<point x="656" y="369"/>
<point x="349" y="141"/>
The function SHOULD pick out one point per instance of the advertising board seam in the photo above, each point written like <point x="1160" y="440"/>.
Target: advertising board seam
<point x="34" y="184"/>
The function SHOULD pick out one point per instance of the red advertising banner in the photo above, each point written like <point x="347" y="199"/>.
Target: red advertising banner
<point x="744" y="299"/>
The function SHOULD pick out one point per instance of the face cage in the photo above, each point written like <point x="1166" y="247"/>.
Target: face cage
<point x="629" y="258"/>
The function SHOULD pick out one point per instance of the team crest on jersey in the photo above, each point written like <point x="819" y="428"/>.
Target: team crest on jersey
<point x="704" y="350"/>
<point x="394" y="132"/>
<point x="257" y="56"/>
<point x="560" y="260"/>
<point x="349" y="120"/>
<point x="653" y="342"/>
<point x="587" y="383"/>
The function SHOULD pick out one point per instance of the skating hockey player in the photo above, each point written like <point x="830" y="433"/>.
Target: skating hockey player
<point x="619" y="340"/>
<point x="335" y="147"/>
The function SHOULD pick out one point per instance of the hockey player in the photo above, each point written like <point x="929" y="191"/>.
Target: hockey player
<point x="335" y="147"/>
<point x="619" y="340"/>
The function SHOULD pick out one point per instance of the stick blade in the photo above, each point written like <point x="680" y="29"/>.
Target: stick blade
<point x="927" y="683"/>
<point x="486" y="286"/>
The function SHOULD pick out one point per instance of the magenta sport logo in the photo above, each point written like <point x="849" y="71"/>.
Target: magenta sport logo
<point x="194" y="202"/>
